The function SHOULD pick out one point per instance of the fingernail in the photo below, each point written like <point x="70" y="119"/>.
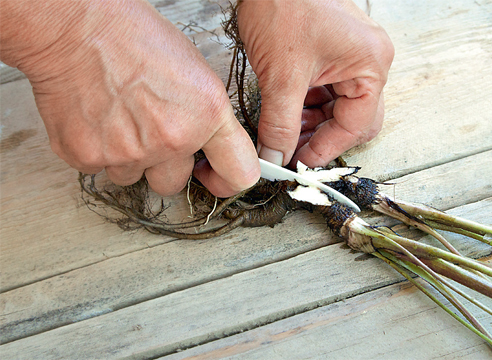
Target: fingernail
<point x="273" y="156"/>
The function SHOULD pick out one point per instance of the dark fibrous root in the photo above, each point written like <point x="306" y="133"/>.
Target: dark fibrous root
<point x="130" y="201"/>
<point x="335" y="216"/>
<point x="268" y="214"/>
<point x="363" y="191"/>
<point x="247" y="94"/>
<point x="271" y="204"/>
<point x="133" y="203"/>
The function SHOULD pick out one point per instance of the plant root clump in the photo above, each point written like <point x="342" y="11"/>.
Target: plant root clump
<point x="265" y="204"/>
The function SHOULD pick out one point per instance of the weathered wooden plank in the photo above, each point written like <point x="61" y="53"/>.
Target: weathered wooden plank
<point x="395" y="322"/>
<point x="40" y="195"/>
<point x="437" y="108"/>
<point x="204" y="14"/>
<point x="151" y="272"/>
<point x="195" y="314"/>
<point x="224" y="306"/>
<point x="124" y="280"/>
<point x="462" y="181"/>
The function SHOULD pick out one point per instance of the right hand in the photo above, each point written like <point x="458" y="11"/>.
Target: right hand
<point x="121" y="88"/>
<point x="325" y="55"/>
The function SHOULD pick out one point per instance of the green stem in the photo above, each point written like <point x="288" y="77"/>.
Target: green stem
<point x="425" y="251"/>
<point x="470" y="234"/>
<point x="464" y="277"/>
<point x="383" y="242"/>
<point x="484" y="335"/>
<point x="419" y="268"/>
<point x="438" y="285"/>
<point x="387" y="207"/>
<point x="441" y="217"/>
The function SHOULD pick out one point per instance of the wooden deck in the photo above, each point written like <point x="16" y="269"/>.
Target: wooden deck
<point x="75" y="287"/>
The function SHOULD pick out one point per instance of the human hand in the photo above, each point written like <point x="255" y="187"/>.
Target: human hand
<point x="120" y="88"/>
<point x="325" y="55"/>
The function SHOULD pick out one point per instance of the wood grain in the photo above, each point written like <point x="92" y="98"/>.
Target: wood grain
<point x="218" y="308"/>
<point x="438" y="89"/>
<point x="376" y="325"/>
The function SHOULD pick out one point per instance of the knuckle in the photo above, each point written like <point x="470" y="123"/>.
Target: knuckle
<point x="171" y="139"/>
<point x="87" y="159"/>
<point x="277" y="131"/>
<point x="125" y="153"/>
<point x="77" y="154"/>
<point x="383" y="51"/>
<point x="246" y="178"/>
<point x="218" y="104"/>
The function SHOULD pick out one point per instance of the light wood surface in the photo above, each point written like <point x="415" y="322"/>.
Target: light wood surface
<point x="75" y="287"/>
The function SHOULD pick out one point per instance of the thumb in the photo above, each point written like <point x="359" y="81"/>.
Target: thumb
<point x="279" y="126"/>
<point x="232" y="163"/>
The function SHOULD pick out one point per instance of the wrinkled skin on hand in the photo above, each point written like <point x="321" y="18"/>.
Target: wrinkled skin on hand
<point x="321" y="67"/>
<point x="121" y="88"/>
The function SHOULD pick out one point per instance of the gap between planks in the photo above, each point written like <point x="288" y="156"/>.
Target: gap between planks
<point x="416" y="169"/>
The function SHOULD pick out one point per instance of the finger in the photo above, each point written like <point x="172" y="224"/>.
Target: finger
<point x="330" y="89"/>
<point x="328" y="109"/>
<point x="280" y="120"/>
<point x="313" y="117"/>
<point x="124" y="175"/>
<point x="317" y="95"/>
<point x="232" y="164"/>
<point x="355" y="121"/>
<point x="170" y="177"/>
<point x="304" y="138"/>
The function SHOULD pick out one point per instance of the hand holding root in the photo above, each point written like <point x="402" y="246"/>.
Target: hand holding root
<point x="325" y="55"/>
<point x="121" y="88"/>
